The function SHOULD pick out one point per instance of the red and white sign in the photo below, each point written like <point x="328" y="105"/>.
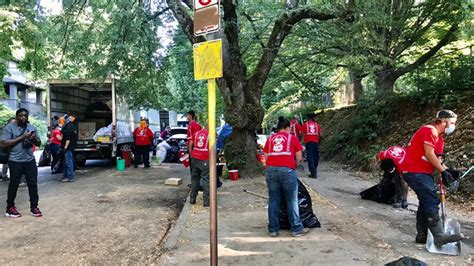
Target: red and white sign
<point x="198" y="4"/>
<point x="206" y="16"/>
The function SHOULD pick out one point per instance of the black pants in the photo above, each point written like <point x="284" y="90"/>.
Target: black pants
<point x="200" y="177"/>
<point x="17" y="170"/>
<point x="312" y="155"/>
<point x="142" y="151"/>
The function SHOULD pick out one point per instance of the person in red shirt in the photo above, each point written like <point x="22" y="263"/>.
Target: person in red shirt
<point x="390" y="162"/>
<point x="421" y="160"/>
<point x="200" y="166"/>
<point x="295" y="127"/>
<point x="312" y="134"/>
<point x="143" y="137"/>
<point x="282" y="156"/>
<point x="193" y="127"/>
<point x="55" y="142"/>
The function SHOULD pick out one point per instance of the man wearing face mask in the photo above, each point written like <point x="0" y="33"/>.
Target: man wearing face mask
<point x="421" y="161"/>
<point x="143" y="138"/>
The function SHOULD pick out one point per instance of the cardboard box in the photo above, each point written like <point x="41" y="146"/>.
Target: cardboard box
<point x="86" y="130"/>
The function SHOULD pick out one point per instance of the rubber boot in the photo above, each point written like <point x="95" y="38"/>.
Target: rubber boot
<point x="436" y="227"/>
<point x="421" y="228"/>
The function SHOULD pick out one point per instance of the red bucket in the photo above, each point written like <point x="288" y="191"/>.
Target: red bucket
<point x="126" y="155"/>
<point x="185" y="160"/>
<point x="233" y="175"/>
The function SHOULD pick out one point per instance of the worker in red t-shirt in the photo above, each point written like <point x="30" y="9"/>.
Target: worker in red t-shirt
<point x="295" y="127"/>
<point x="421" y="160"/>
<point x="200" y="165"/>
<point x="390" y="162"/>
<point x="143" y="137"/>
<point x="193" y="127"/>
<point x="282" y="156"/>
<point x="55" y="142"/>
<point x="312" y="135"/>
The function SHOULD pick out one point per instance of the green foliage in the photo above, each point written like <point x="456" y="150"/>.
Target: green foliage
<point x="368" y="122"/>
<point x="442" y="79"/>
<point x="7" y="113"/>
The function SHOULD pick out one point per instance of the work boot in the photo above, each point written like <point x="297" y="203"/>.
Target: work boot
<point x="436" y="227"/>
<point x="421" y="228"/>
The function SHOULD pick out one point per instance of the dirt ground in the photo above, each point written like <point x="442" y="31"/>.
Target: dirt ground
<point x="105" y="217"/>
<point x="354" y="231"/>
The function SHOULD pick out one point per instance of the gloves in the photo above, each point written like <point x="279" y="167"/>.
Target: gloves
<point x="448" y="179"/>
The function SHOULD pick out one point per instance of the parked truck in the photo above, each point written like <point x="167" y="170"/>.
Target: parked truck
<point x="105" y="121"/>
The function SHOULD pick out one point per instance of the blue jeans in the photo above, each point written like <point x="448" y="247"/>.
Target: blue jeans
<point x="54" y="148"/>
<point x="312" y="155"/>
<point x="68" y="171"/>
<point x="426" y="191"/>
<point x="282" y="181"/>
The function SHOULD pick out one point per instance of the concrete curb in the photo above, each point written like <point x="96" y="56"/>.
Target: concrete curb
<point x="172" y="241"/>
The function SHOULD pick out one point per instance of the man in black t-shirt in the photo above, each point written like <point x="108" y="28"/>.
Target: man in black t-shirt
<point x="68" y="144"/>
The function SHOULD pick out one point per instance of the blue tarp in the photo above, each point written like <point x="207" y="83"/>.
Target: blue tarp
<point x="222" y="134"/>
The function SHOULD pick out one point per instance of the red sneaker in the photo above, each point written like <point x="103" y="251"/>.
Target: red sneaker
<point x="12" y="212"/>
<point x="36" y="212"/>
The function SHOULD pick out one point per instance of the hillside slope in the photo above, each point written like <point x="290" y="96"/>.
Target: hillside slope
<point x="353" y="135"/>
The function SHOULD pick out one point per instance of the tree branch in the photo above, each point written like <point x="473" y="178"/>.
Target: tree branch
<point x="448" y="37"/>
<point x="184" y="20"/>
<point x="281" y="29"/>
<point x="231" y="31"/>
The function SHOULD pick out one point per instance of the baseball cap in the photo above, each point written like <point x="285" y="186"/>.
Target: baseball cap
<point x="444" y="114"/>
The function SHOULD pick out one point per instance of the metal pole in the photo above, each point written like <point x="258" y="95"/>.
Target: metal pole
<point x="211" y="86"/>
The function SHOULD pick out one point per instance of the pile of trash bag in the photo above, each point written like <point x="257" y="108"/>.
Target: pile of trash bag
<point x="307" y="216"/>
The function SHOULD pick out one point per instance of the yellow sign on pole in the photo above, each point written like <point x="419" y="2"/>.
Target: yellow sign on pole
<point x="208" y="60"/>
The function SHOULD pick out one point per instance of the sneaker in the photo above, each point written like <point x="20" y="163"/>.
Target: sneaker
<point x="273" y="234"/>
<point x="303" y="232"/>
<point x="192" y="201"/>
<point x="66" y="180"/>
<point x="36" y="212"/>
<point x="397" y="205"/>
<point x="312" y="176"/>
<point x="12" y="212"/>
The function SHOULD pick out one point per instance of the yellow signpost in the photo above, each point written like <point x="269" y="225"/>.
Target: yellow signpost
<point x="208" y="65"/>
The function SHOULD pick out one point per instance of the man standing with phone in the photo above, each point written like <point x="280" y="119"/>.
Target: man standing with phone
<point x="20" y="137"/>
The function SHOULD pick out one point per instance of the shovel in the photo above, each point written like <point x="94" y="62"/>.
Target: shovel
<point x="450" y="227"/>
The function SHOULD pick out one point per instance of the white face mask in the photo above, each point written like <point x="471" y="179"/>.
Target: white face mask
<point x="449" y="130"/>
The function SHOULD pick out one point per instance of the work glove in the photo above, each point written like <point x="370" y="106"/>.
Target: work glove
<point x="448" y="179"/>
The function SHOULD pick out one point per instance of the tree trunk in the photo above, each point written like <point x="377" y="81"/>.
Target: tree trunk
<point x="384" y="82"/>
<point x="356" y="84"/>
<point x="245" y="116"/>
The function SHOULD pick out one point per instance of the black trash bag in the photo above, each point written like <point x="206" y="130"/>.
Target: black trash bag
<point x="307" y="216"/>
<point x="45" y="158"/>
<point x="58" y="164"/>
<point x="407" y="261"/>
<point x="172" y="155"/>
<point x="383" y="192"/>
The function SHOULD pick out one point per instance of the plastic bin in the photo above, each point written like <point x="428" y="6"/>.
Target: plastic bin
<point x="234" y="175"/>
<point x="120" y="164"/>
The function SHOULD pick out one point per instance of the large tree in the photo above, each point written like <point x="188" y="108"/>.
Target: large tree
<point x="397" y="37"/>
<point x="242" y="85"/>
